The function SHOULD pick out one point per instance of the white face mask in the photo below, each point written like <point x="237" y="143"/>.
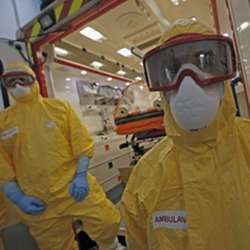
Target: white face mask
<point x="20" y="91"/>
<point x="194" y="107"/>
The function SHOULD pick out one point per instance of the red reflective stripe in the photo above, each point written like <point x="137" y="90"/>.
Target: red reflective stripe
<point x="66" y="8"/>
<point x="28" y="33"/>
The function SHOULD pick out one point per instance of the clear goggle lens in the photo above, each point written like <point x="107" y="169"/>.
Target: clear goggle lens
<point x="213" y="57"/>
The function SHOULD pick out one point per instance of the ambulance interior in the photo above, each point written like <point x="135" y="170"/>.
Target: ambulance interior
<point x="98" y="70"/>
<point x="116" y="88"/>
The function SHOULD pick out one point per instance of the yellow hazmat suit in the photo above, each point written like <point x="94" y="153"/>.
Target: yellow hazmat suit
<point x="192" y="191"/>
<point x="8" y="215"/>
<point x="41" y="141"/>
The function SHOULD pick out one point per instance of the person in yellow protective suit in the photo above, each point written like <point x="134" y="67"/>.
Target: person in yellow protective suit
<point x="192" y="190"/>
<point x="43" y="146"/>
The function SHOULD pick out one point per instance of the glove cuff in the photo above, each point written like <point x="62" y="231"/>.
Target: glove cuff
<point x="82" y="165"/>
<point x="12" y="191"/>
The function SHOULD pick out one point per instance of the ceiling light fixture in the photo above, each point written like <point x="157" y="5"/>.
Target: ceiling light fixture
<point x="121" y="72"/>
<point x="177" y="2"/>
<point x="124" y="52"/>
<point x="226" y="34"/>
<point x="194" y="18"/>
<point x="96" y="64"/>
<point x="84" y="72"/>
<point x="138" y="78"/>
<point x="127" y="83"/>
<point x="109" y="79"/>
<point x="92" y="34"/>
<point x="68" y="79"/>
<point x="61" y="52"/>
<point x="243" y="26"/>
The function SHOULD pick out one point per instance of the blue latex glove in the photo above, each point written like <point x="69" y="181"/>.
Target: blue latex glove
<point x="79" y="187"/>
<point x="28" y="204"/>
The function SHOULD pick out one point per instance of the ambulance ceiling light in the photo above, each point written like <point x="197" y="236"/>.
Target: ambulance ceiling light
<point x="121" y="72"/>
<point x="96" y="64"/>
<point x="124" y="52"/>
<point x="92" y="34"/>
<point x="61" y="52"/>
<point x="177" y="2"/>
<point x="243" y="26"/>
<point x="84" y="72"/>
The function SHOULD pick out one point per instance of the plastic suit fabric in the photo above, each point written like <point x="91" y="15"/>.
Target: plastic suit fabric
<point x="192" y="190"/>
<point x="8" y="215"/>
<point x="41" y="141"/>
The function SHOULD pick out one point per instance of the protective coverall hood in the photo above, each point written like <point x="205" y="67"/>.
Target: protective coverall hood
<point x="226" y="110"/>
<point x="34" y="93"/>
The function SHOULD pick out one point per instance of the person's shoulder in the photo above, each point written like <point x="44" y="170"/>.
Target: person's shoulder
<point x="242" y="123"/>
<point x="150" y="168"/>
<point x="5" y="113"/>
<point x="55" y="101"/>
<point x="148" y="175"/>
<point x="159" y="151"/>
<point x="7" y="117"/>
<point x="56" y="104"/>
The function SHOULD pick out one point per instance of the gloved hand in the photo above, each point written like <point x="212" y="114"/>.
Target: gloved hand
<point x="28" y="204"/>
<point x="79" y="187"/>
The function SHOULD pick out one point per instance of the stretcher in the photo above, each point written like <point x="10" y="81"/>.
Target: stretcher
<point x="139" y="122"/>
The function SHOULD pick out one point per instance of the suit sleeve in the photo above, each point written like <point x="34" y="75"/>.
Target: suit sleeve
<point x="80" y="140"/>
<point x="6" y="170"/>
<point x="135" y="220"/>
<point x="134" y="210"/>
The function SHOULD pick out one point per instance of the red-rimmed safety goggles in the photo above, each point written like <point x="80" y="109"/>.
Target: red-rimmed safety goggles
<point x="11" y="79"/>
<point x="207" y="58"/>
